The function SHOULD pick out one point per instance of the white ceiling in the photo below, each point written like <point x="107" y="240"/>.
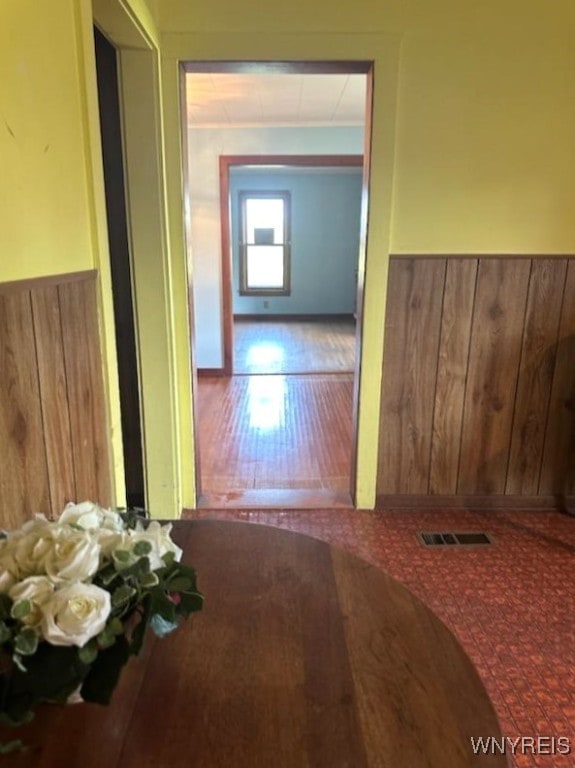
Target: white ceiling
<point x="227" y="100"/>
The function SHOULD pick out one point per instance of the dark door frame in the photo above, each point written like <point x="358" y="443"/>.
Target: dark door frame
<point x="120" y="266"/>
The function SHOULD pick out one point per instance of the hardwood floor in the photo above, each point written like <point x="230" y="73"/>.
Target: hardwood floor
<point x="294" y="346"/>
<point x="275" y="440"/>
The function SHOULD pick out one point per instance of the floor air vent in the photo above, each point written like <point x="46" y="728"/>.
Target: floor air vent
<point x="454" y="539"/>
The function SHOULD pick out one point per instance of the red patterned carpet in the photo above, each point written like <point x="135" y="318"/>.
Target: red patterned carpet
<point x="511" y="604"/>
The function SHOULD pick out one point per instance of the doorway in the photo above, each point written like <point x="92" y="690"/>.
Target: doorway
<point x="120" y="266"/>
<point x="320" y="145"/>
<point x="308" y="324"/>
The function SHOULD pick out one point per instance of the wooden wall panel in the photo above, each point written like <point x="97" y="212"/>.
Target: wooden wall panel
<point x="23" y="473"/>
<point x="53" y="426"/>
<point x="535" y="375"/>
<point x="410" y="355"/>
<point x="54" y="396"/>
<point x="496" y="338"/>
<point x="558" y="470"/>
<point x="458" y="301"/>
<point x="87" y="410"/>
<point x="500" y="379"/>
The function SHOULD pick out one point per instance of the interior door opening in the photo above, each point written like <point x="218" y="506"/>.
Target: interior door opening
<point x="275" y="436"/>
<point x="120" y="267"/>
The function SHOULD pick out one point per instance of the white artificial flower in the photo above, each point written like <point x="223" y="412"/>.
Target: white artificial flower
<point x="73" y="556"/>
<point x="7" y="578"/>
<point x="38" y="590"/>
<point x="8" y="567"/>
<point x="108" y="541"/>
<point x="158" y="536"/>
<point x="112" y="521"/>
<point x="90" y="516"/>
<point x="85" y="515"/>
<point x="34" y="524"/>
<point x="29" y="546"/>
<point x="75" y="614"/>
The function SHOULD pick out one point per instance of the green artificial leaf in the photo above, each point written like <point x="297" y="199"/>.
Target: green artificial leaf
<point x="169" y="558"/>
<point x="181" y="571"/>
<point x="122" y="559"/>
<point x="142" y="548"/>
<point x="180" y="584"/>
<point x="149" y="580"/>
<point x="17" y="659"/>
<point x="21" y="609"/>
<point x="103" y="676"/>
<point x="190" y="602"/>
<point x="116" y="626"/>
<point x="107" y="575"/>
<point x="132" y="517"/>
<point x="106" y="638"/>
<point x="16" y="745"/>
<point x="136" y="570"/>
<point x="122" y="595"/>
<point x="161" y="605"/>
<point x="5" y="632"/>
<point x="87" y="653"/>
<point x="5" y="606"/>
<point x="26" y="642"/>
<point x="51" y="674"/>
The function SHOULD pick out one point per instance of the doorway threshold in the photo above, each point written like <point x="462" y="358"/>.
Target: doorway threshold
<point x="276" y="498"/>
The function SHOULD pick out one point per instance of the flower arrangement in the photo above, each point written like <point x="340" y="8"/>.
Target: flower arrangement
<point x="76" y="597"/>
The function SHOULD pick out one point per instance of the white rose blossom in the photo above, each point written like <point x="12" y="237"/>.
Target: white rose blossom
<point x="75" y="614"/>
<point x="158" y="536"/>
<point x="108" y="540"/>
<point x="7" y="578"/>
<point x="90" y="516"/>
<point x="73" y="556"/>
<point x="29" y="546"/>
<point x="38" y="590"/>
<point x="8" y="567"/>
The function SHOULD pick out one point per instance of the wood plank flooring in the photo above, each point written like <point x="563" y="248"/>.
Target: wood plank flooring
<point x="269" y="440"/>
<point x="294" y="346"/>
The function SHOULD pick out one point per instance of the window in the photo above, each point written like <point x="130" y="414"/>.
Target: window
<point x="264" y="243"/>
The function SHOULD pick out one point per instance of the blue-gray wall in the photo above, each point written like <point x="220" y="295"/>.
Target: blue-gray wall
<point x="325" y="209"/>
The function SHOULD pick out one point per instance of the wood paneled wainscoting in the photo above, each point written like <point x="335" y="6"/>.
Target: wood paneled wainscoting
<point x="478" y="395"/>
<point x="53" y="431"/>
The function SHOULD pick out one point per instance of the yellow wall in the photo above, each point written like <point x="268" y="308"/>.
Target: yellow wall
<point x="472" y="134"/>
<point x="52" y="215"/>
<point x="45" y="209"/>
<point x="485" y="160"/>
<point x="474" y="119"/>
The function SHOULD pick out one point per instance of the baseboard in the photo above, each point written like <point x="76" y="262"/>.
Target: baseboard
<point x="296" y="318"/>
<point x="210" y="372"/>
<point x="493" y="501"/>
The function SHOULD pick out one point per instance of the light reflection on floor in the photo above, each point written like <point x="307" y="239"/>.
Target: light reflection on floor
<point x="266" y="402"/>
<point x="273" y="346"/>
<point x="265" y="354"/>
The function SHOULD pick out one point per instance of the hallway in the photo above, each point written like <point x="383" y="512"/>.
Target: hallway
<point x="272" y="432"/>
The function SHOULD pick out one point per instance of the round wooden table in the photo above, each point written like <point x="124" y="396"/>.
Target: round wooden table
<point x="303" y="657"/>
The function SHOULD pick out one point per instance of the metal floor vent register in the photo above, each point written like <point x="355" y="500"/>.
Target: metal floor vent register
<point x="454" y="539"/>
